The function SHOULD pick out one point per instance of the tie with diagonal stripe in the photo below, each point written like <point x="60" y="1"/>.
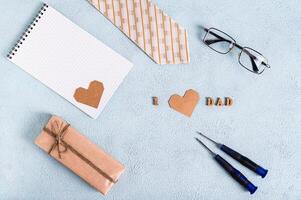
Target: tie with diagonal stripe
<point x="159" y="36"/>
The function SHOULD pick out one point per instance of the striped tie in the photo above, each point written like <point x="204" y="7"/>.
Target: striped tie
<point x="159" y="36"/>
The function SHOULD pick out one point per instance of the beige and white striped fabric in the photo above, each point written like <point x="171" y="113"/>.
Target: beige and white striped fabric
<point x="159" y="36"/>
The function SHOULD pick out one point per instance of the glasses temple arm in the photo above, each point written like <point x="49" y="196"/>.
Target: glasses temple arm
<point x="209" y="42"/>
<point x="254" y="66"/>
<point x="220" y="37"/>
<point x="254" y="58"/>
<point x="267" y="65"/>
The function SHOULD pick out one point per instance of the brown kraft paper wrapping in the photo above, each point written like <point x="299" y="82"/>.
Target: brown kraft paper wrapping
<point x="80" y="155"/>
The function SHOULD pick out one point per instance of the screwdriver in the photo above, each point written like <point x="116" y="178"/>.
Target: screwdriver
<point x="240" y="158"/>
<point x="237" y="175"/>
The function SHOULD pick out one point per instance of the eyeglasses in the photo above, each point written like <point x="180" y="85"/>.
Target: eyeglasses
<point x="223" y="43"/>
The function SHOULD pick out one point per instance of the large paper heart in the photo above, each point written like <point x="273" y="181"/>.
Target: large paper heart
<point x="185" y="104"/>
<point x="90" y="96"/>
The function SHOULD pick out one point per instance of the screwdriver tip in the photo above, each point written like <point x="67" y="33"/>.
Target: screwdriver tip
<point x="198" y="132"/>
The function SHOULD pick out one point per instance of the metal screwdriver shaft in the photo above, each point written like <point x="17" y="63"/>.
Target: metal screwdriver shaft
<point x="205" y="146"/>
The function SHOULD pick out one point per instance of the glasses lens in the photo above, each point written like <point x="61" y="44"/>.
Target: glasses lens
<point x="253" y="60"/>
<point x="218" y="41"/>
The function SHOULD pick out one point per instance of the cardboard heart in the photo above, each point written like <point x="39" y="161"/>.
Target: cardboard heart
<point x="185" y="104"/>
<point x="90" y="96"/>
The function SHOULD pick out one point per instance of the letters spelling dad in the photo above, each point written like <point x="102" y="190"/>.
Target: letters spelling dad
<point x="228" y="101"/>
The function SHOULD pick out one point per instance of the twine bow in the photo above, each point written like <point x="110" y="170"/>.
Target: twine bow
<point x="58" y="133"/>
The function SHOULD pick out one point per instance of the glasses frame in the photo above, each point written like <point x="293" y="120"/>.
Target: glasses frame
<point x="232" y="45"/>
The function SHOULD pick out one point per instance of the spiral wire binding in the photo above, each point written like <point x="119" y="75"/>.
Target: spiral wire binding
<point x="27" y="32"/>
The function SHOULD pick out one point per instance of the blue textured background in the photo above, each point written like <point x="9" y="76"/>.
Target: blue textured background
<point x="156" y="144"/>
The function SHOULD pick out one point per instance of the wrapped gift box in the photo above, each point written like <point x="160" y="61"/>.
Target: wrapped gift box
<point x="76" y="152"/>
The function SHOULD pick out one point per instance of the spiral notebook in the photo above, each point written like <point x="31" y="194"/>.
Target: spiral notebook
<point x="70" y="61"/>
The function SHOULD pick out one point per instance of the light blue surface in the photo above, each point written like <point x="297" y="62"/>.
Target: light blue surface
<point x="156" y="144"/>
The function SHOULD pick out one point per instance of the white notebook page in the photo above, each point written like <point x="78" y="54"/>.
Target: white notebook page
<point x="64" y="57"/>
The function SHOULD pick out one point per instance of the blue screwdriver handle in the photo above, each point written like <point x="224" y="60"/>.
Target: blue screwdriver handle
<point x="237" y="175"/>
<point x="244" y="161"/>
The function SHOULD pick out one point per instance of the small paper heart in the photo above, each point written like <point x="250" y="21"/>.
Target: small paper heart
<point x="185" y="104"/>
<point x="90" y="96"/>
